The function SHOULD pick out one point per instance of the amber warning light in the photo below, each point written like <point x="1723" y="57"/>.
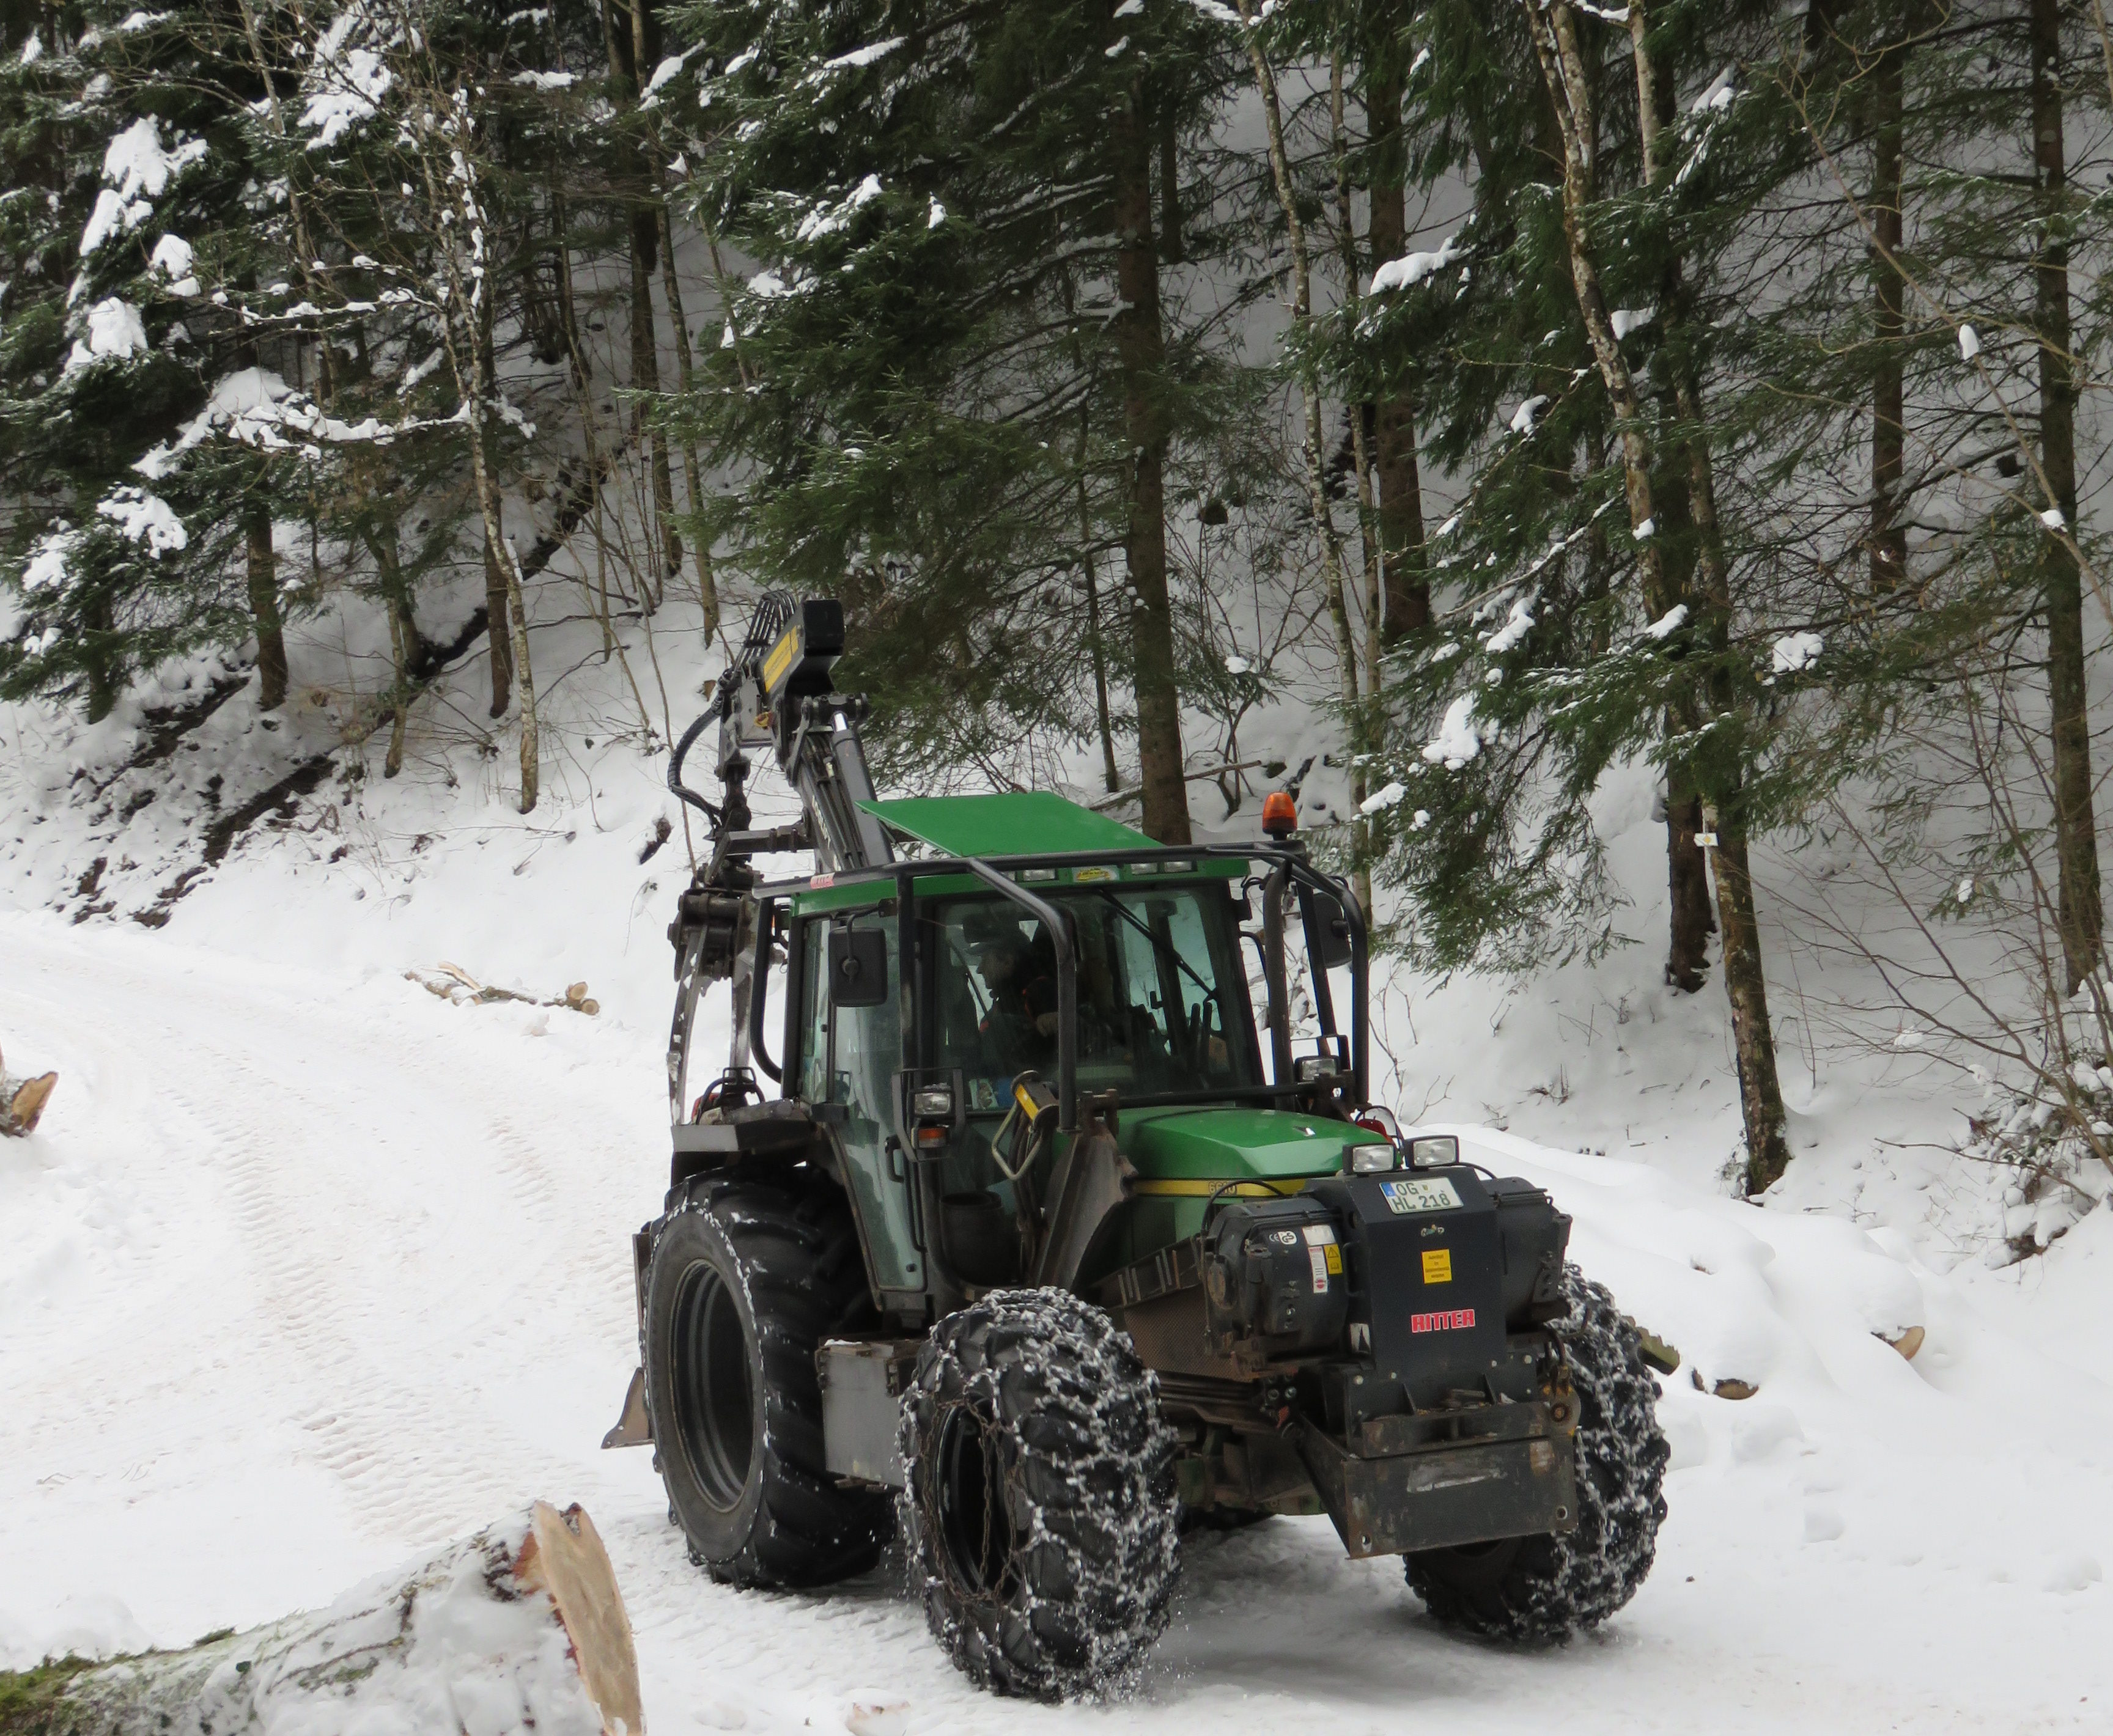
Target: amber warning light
<point x="1280" y="814"/>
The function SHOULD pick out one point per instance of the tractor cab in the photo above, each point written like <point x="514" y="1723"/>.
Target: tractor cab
<point x="1022" y="950"/>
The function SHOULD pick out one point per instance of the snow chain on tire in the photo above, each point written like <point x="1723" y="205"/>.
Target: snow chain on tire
<point x="1040" y="1515"/>
<point x="749" y="1275"/>
<point x="1547" y="1588"/>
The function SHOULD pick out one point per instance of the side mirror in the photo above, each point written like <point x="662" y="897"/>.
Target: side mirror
<point x="858" y="967"/>
<point x="1433" y="1151"/>
<point x="1327" y="929"/>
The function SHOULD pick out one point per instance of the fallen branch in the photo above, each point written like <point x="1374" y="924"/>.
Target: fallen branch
<point x="456" y="987"/>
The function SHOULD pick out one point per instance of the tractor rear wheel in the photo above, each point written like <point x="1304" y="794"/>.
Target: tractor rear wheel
<point x="1548" y="1588"/>
<point x="1040" y="1514"/>
<point x="747" y="1277"/>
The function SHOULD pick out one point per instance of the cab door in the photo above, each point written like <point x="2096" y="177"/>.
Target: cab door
<point x="851" y="1049"/>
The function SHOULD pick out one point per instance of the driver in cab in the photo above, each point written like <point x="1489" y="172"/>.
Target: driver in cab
<point x="1021" y="1023"/>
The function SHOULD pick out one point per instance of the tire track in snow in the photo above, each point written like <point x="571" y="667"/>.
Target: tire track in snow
<point x="290" y="1208"/>
<point x="387" y="1420"/>
<point x="359" y="1279"/>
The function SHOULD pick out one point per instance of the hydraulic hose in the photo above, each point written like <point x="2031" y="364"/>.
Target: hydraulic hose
<point x="675" y="784"/>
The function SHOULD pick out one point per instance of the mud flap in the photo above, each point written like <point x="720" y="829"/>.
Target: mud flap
<point x="634" y="1428"/>
<point x="1402" y="1503"/>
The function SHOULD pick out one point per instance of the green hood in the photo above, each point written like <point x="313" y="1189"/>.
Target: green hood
<point x="1223" y="1145"/>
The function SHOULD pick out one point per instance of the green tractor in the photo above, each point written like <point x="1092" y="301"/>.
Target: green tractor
<point x="1050" y="1245"/>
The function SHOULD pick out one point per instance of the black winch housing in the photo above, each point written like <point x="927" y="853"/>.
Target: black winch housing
<point x="1391" y="1329"/>
<point x="1419" y="1279"/>
<point x="1445" y="1269"/>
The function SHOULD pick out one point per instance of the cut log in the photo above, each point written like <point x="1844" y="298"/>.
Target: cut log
<point x="22" y="1100"/>
<point x="519" y="1628"/>
<point x="1907" y="1341"/>
<point x="1730" y="1387"/>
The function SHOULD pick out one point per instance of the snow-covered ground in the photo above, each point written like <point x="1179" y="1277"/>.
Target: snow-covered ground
<point x="307" y="1270"/>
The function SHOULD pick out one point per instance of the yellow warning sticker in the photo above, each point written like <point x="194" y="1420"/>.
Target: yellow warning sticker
<point x="1334" y="1256"/>
<point x="780" y="660"/>
<point x="1437" y="1265"/>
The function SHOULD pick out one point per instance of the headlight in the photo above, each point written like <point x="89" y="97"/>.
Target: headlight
<point x="934" y="1103"/>
<point x="1433" y="1151"/>
<point x="1371" y="1160"/>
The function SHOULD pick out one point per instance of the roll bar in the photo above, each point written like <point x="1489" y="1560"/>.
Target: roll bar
<point x="1059" y="928"/>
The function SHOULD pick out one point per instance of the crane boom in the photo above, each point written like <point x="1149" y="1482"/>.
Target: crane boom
<point x="779" y="693"/>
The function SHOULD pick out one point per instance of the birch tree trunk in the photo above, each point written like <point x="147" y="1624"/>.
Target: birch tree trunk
<point x="1720" y="782"/>
<point x="1569" y="90"/>
<point x="1302" y="314"/>
<point x="499" y="632"/>
<point x="495" y="539"/>
<point x="1888" y="322"/>
<point x="457" y="190"/>
<point x="1753" y="1037"/>
<point x="671" y="288"/>
<point x="498" y="629"/>
<point x="1363" y="722"/>
<point x="381" y="543"/>
<point x="520" y="1627"/>
<point x="1685" y="500"/>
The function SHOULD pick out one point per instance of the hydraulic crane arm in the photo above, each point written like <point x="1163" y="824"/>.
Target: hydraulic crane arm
<point x="777" y="692"/>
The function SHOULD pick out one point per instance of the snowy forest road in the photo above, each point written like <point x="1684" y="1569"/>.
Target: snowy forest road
<point x="304" y="1273"/>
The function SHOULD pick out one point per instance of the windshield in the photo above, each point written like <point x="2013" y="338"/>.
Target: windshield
<point x="1162" y="1001"/>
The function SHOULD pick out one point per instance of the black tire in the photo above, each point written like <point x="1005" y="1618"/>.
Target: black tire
<point x="1548" y="1588"/>
<point x="1040" y="1516"/>
<point x="747" y="1278"/>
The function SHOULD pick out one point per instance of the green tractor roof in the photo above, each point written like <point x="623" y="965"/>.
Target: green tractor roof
<point x="1024" y="822"/>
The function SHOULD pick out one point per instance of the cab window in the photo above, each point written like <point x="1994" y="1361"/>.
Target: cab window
<point x="1162" y="1001"/>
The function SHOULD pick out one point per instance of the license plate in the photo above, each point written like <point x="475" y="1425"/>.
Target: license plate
<point x="1431" y="1193"/>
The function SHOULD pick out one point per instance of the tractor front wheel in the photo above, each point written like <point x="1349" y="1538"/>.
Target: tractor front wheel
<point x="747" y="1277"/>
<point x="1548" y="1588"/>
<point x="1040" y="1514"/>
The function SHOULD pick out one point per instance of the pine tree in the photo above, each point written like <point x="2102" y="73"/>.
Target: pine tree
<point x="954" y="377"/>
<point x="124" y="141"/>
<point x="1609" y="596"/>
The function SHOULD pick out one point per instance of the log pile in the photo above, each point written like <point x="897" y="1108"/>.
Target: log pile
<point x="518" y="1628"/>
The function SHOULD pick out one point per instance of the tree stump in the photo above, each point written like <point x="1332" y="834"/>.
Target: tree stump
<point x="519" y="1628"/>
<point x="22" y="1100"/>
